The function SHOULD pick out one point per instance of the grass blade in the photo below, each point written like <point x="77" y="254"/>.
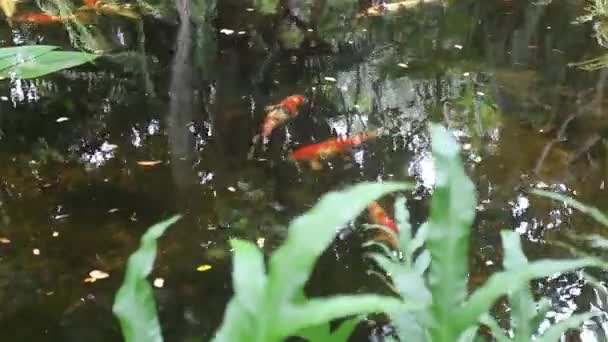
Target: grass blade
<point x="134" y="305"/>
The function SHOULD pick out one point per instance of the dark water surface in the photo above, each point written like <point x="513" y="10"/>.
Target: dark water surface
<point x="73" y="198"/>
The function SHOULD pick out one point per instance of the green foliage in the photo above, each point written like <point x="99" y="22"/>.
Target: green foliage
<point x="134" y="305"/>
<point x="452" y="314"/>
<point x="267" y="6"/>
<point x="31" y="61"/>
<point x="526" y="314"/>
<point x="270" y="306"/>
<point x="594" y="213"/>
<point x="430" y="274"/>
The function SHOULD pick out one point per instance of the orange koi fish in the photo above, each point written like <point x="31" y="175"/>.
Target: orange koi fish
<point x="316" y="152"/>
<point x="378" y="215"/>
<point x="38" y="18"/>
<point x="277" y="115"/>
<point x="91" y="3"/>
<point x="44" y="18"/>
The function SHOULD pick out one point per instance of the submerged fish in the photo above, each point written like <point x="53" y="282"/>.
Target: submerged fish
<point x="40" y="18"/>
<point x="316" y="152"/>
<point x="378" y="215"/>
<point x="277" y="115"/>
<point x="44" y="18"/>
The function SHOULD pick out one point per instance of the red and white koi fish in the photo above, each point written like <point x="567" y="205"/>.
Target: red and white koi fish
<point x="378" y="215"/>
<point x="278" y="114"/>
<point x="315" y="153"/>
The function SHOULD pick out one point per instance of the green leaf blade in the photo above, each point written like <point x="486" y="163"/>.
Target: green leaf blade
<point x="452" y="213"/>
<point x="134" y="305"/>
<point x="47" y="63"/>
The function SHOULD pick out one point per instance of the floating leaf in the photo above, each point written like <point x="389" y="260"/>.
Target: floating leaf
<point x="35" y="61"/>
<point x="203" y="268"/>
<point x="149" y="163"/>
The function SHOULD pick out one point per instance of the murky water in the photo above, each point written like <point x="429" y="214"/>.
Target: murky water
<point x="74" y="197"/>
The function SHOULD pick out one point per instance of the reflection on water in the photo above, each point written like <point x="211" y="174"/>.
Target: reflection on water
<point x="94" y="155"/>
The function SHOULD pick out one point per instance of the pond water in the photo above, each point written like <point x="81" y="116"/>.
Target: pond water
<point x="75" y="197"/>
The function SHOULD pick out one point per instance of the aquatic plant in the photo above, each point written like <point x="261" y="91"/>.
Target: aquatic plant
<point x="430" y="274"/>
<point x="433" y="272"/>
<point x="597" y="11"/>
<point x="134" y="305"/>
<point x="31" y="61"/>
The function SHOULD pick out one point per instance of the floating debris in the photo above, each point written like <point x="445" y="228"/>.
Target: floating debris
<point x="113" y="210"/>
<point x="402" y="65"/>
<point x="226" y="31"/>
<point x="4" y="240"/>
<point x="330" y="79"/>
<point x="458" y="46"/>
<point x="36" y="251"/>
<point x="158" y="282"/>
<point x="204" y="267"/>
<point x="260" y="242"/>
<point x="149" y="163"/>
<point x="62" y="119"/>
<point x="96" y="275"/>
<point x="231" y="189"/>
<point x="55" y="234"/>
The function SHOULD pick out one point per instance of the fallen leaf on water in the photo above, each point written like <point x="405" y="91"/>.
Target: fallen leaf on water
<point x="8" y="7"/>
<point x="90" y="280"/>
<point x="203" y="268"/>
<point x="97" y="274"/>
<point x="149" y="162"/>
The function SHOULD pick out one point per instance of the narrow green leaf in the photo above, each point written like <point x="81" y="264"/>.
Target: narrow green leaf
<point x="345" y="329"/>
<point x="497" y="331"/>
<point x="418" y="240"/>
<point x="423" y="262"/>
<point x="134" y="304"/>
<point x="248" y="275"/>
<point x="238" y="324"/>
<point x="523" y="307"/>
<point x="595" y="213"/>
<point x="323" y="333"/>
<point x="409" y="327"/>
<point x="452" y="213"/>
<point x="402" y="215"/>
<point x="310" y="234"/>
<point x="319" y="310"/>
<point x="555" y="332"/>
